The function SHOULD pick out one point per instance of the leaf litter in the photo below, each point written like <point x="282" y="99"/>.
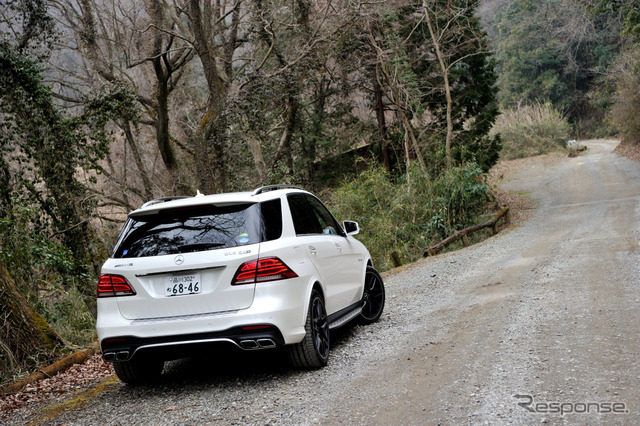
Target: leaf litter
<point x="78" y="376"/>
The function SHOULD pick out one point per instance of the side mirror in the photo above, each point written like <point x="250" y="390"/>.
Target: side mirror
<point x="351" y="228"/>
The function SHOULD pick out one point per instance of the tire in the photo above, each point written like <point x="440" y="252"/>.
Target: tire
<point x="373" y="297"/>
<point x="138" y="371"/>
<point x="313" y="350"/>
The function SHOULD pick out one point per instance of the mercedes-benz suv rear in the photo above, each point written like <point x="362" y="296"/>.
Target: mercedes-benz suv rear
<point x="256" y="270"/>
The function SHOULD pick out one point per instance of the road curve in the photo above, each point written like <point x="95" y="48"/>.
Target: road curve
<point x="540" y="324"/>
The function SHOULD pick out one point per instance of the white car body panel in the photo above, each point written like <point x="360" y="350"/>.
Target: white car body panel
<point x="343" y="279"/>
<point x="149" y="275"/>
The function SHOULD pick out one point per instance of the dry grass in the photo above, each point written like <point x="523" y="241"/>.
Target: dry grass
<point x="530" y="130"/>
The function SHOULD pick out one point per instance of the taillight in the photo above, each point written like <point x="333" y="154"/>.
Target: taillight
<point x="262" y="270"/>
<point x="114" y="285"/>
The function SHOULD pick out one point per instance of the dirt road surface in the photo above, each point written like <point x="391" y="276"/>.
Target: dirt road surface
<point x="537" y="325"/>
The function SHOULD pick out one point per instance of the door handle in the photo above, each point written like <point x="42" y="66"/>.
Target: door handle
<point x="313" y="250"/>
<point x="339" y="247"/>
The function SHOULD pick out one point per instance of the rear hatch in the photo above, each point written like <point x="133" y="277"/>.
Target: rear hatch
<point x="181" y="261"/>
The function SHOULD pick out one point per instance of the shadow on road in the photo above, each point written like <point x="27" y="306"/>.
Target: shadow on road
<point x="227" y="365"/>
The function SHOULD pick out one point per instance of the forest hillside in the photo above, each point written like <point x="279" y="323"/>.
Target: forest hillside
<point x="391" y="111"/>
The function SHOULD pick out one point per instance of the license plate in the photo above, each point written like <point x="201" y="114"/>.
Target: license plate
<point x="179" y="285"/>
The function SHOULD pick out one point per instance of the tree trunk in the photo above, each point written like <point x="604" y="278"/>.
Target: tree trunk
<point x="310" y="142"/>
<point x="447" y="86"/>
<point x="256" y="150"/>
<point x="23" y="332"/>
<point x="209" y="151"/>
<point x="146" y="181"/>
<point x="162" y="117"/>
<point x="412" y="138"/>
<point x="284" y="147"/>
<point x="379" y="106"/>
<point x="5" y="189"/>
<point x="493" y="223"/>
<point x="161" y="67"/>
<point x="382" y="123"/>
<point x="210" y="138"/>
<point x="59" y="366"/>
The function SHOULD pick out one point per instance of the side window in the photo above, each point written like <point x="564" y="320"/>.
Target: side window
<point x="327" y="222"/>
<point x="310" y="216"/>
<point x="305" y="220"/>
<point x="272" y="218"/>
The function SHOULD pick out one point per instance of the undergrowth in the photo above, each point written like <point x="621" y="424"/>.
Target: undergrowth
<point x="411" y="214"/>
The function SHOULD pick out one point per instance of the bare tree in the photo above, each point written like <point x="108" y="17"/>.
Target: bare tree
<point x="249" y="51"/>
<point x="392" y="79"/>
<point x="126" y="45"/>
<point x="454" y="40"/>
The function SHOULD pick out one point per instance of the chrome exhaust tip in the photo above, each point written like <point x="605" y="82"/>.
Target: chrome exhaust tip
<point x="249" y="344"/>
<point x="122" y="356"/>
<point x="266" y="343"/>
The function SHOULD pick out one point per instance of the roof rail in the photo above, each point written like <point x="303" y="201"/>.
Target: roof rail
<point x="274" y="188"/>
<point x="163" y="200"/>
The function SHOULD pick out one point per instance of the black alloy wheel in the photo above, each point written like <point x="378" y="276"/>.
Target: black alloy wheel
<point x="320" y="324"/>
<point x="313" y="350"/>
<point x="373" y="297"/>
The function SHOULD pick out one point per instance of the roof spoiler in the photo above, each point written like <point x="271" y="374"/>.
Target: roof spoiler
<point x="274" y="188"/>
<point x="163" y="200"/>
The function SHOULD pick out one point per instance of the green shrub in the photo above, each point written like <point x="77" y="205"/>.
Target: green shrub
<point x="412" y="214"/>
<point x="66" y="311"/>
<point x="45" y="275"/>
<point x="531" y="130"/>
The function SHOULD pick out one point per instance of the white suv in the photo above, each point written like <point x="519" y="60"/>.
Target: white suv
<point x="257" y="270"/>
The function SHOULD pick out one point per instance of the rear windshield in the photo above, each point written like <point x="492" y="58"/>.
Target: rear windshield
<point x="199" y="228"/>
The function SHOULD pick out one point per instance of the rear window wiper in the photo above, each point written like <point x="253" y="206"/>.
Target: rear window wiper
<point x="186" y="248"/>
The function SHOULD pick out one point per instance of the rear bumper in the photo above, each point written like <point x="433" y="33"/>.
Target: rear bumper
<point x="251" y="337"/>
<point x="275" y="318"/>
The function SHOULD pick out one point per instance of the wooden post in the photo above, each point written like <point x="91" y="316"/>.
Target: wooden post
<point x="493" y="223"/>
<point x="395" y="258"/>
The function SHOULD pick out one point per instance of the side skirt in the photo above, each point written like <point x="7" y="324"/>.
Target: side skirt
<point x="343" y="316"/>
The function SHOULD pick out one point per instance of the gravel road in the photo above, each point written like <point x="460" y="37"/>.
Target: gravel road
<point x="548" y="310"/>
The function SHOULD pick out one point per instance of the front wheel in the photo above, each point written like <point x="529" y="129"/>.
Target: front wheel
<point x="313" y="350"/>
<point x="373" y="297"/>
